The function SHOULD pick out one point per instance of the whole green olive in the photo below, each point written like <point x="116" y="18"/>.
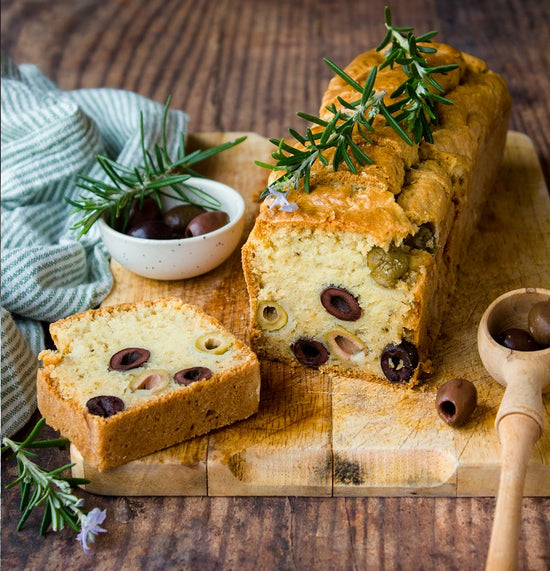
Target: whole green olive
<point x="270" y="315"/>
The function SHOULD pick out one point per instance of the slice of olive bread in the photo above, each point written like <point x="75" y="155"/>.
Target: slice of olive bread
<point x="131" y="379"/>
<point x="356" y="280"/>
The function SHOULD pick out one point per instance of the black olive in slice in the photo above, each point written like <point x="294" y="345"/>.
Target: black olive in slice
<point x="192" y="375"/>
<point x="341" y="303"/>
<point x="399" y="361"/>
<point x="310" y="352"/>
<point x="129" y="358"/>
<point x="105" y="405"/>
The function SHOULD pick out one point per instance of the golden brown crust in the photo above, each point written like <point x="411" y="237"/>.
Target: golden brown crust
<point x="441" y="185"/>
<point x="157" y="421"/>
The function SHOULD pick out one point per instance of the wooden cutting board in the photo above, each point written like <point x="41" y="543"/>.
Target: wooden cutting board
<point x="316" y="435"/>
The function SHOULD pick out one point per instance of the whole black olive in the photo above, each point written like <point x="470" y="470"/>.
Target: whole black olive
<point x="149" y="210"/>
<point x="105" y="405"/>
<point x="129" y="358"/>
<point x="341" y="303"/>
<point x="152" y="230"/>
<point x="192" y="375"/>
<point x="207" y="222"/>
<point x="399" y="362"/>
<point x="310" y="352"/>
<point x="178" y="218"/>
<point x="539" y="322"/>
<point x="517" y="340"/>
<point x="455" y="401"/>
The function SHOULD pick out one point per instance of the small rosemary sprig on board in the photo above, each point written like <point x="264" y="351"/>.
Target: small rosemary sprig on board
<point x="416" y="109"/>
<point x="50" y="489"/>
<point x="158" y="176"/>
<point x="414" y="112"/>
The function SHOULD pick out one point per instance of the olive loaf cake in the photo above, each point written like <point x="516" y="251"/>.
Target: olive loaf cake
<point x="131" y="379"/>
<point x="355" y="281"/>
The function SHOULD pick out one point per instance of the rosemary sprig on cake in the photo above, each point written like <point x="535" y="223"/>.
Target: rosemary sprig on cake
<point x="336" y="133"/>
<point x="51" y="489"/>
<point x="416" y="108"/>
<point x="158" y="175"/>
<point x="413" y="113"/>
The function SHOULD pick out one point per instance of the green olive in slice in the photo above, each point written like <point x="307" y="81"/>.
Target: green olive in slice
<point x="270" y="315"/>
<point x="387" y="267"/>
<point x="214" y="342"/>
<point x="343" y="344"/>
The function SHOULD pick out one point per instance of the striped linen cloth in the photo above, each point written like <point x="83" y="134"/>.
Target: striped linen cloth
<point x="48" y="137"/>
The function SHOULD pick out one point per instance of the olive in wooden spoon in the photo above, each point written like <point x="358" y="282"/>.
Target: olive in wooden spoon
<point x="519" y="421"/>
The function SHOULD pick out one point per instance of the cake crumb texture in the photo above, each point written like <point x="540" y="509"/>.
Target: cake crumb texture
<point x="156" y="414"/>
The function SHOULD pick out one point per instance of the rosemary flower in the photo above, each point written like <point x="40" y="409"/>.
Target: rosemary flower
<point x="90" y="527"/>
<point x="277" y="197"/>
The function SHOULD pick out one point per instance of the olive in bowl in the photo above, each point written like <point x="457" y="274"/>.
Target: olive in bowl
<point x="179" y="257"/>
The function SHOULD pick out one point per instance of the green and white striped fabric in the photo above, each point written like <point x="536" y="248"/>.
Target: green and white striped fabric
<point x="48" y="137"/>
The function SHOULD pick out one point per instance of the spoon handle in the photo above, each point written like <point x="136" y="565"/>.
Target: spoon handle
<point x="518" y="434"/>
<point x="523" y="393"/>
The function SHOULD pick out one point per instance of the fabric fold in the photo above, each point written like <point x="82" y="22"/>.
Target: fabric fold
<point x="49" y="137"/>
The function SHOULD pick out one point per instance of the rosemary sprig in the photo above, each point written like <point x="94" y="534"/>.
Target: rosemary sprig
<point x="50" y="489"/>
<point x="417" y="107"/>
<point x="336" y="133"/>
<point x="414" y="112"/>
<point x="158" y="176"/>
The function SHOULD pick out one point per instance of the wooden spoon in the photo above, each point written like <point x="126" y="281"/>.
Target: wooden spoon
<point x="520" y="418"/>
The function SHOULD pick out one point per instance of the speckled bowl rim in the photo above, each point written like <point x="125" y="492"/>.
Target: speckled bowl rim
<point x="233" y="221"/>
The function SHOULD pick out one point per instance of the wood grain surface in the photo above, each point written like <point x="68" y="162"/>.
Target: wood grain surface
<point x="249" y="65"/>
<point x="320" y="435"/>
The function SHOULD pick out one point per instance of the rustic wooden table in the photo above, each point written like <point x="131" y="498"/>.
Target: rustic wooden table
<point x="245" y="65"/>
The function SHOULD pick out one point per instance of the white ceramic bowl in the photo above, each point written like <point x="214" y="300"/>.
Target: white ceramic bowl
<point x="186" y="257"/>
